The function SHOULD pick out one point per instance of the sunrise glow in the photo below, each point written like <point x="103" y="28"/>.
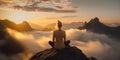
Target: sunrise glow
<point x="19" y="16"/>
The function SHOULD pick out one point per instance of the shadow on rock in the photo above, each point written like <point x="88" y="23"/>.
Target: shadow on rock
<point x="68" y="53"/>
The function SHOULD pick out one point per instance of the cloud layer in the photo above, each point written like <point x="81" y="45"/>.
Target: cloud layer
<point x="96" y="45"/>
<point x="60" y="6"/>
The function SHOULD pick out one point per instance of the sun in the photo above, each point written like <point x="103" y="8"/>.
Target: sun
<point x="19" y="16"/>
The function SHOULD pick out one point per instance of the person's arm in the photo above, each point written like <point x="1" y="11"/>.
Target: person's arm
<point x="53" y="38"/>
<point x="64" y="36"/>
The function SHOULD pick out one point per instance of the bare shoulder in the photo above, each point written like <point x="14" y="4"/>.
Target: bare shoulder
<point x="55" y="31"/>
<point x="58" y="31"/>
<point x="63" y="31"/>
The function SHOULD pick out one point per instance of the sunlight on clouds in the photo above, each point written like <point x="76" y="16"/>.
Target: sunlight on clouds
<point x="90" y="45"/>
<point x="99" y="46"/>
<point x="19" y="16"/>
<point x="16" y="34"/>
<point x="43" y="42"/>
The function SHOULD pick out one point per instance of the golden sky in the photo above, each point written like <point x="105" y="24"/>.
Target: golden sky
<point x="49" y="11"/>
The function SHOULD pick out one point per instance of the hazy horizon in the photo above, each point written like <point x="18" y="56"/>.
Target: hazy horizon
<point x="49" y="11"/>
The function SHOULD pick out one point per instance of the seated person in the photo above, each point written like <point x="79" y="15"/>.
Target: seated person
<point x="59" y="38"/>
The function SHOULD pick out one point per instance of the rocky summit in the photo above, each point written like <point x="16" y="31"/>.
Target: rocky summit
<point x="95" y="26"/>
<point x="68" y="53"/>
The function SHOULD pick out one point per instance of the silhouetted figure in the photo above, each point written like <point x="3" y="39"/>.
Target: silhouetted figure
<point x="59" y="38"/>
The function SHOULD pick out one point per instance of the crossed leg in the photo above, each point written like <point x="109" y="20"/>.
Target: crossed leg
<point x="66" y="43"/>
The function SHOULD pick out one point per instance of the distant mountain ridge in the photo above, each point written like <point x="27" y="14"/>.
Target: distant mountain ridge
<point x="24" y="26"/>
<point x="94" y="25"/>
<point x="8" y="44"/>
<point x="36" y="26"/>
<point x="66" y="26"/>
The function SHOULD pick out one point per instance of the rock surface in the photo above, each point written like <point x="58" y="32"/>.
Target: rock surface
<point x="94" y="25"/>
<point x="68" y="53"/>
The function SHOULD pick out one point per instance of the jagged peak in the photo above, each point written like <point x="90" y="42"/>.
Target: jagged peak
<point x="95" y="20"/>
<point x="25" y="22"/>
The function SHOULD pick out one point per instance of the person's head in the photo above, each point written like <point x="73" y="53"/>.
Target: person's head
<point x="59" y="24"/>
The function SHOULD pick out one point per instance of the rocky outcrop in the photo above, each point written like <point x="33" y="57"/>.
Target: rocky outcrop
<point x="68" y="53"/>
<point x="94" y="25"/>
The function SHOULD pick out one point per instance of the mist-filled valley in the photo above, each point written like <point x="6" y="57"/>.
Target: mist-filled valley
<point x="59" y="29"/>
<point x="98" y="45"/>
<point x="93" y="38"/>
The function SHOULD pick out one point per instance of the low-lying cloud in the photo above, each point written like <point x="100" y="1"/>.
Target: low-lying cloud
<point x="96" y="45"/>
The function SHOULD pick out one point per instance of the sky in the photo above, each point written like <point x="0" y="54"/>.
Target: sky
<point x="44" y="12"/>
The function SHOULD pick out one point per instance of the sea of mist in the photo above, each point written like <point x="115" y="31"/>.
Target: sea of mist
<point x="97" y="45"/>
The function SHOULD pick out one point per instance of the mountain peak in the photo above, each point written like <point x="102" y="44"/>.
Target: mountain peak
<point x="94" y="25"/>
<point x="95" y="20"/>
<point x="24" y="26"/>
<point x="68" y="53"/>
<point x="25" y="22"/>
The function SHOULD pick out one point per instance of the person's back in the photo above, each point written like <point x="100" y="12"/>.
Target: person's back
<point x="59" y="39"/>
